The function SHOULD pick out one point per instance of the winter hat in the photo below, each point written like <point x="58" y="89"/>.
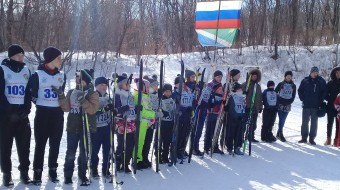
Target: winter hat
<point x="100" y="80"/>
<point x="314" y="69"/>
<point x="288" y="73"/>
<point x="50" y="54"/>
<point x="15" y="49"/>
<point x="216" y="86"/>
<point x="86" y="75"/>
<point x="237" y="86"/>
<point x="234" y="72"/>
<point x="152" y="81"/>
<point x="189" y="73"/>
<point x="154" y="77"/>
<point x="217" y="73"/>
<point x="166" y="87"/>
<point x="270" y="83"/>
<point x="177" y="80"/>
<point x="121" y="79"/>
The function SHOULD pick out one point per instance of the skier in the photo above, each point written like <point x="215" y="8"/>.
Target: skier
<point x="235" y="109"/>
<point x="214" y="104"/>
<point x="270" y="103"/>
<point x="186" y="108"/>
<point x="147" y="120"/>
<point x="15" y="101"/>
<point x="125" y="126"/>
<point x="286" y="91"/>
<point x="82" y="104"/>
<point x="312" y="92"/>
<point x="49" y="117"/>
<point x="102" y="135"/>
<point x="203" y="111"/>
<point x="168" y="108"/>
<point x="333" y="89"/>
<point x="254" y="80"/>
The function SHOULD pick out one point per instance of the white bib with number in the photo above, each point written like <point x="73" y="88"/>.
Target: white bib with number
<point x="271" y="98"/>
<point x="15" y="84"/>
<point x="239" y="103"/>
<point x="286" y="91"/>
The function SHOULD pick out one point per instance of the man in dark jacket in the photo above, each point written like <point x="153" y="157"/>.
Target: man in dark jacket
<point x="312" y="92"/>
<point x="333" y="89"/>
<point x="15" y="105"/>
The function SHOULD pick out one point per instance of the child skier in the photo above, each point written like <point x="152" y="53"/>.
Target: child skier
<point x="270" y="103"/>
<point x="214" y="105"/>
<point x="235" y="107"/>
<point x="47" y="84"/>
<point x="102" y="135"/>
<point x="82" y="104"/>
<point x="125" y="122"/>
<point x="168" y="108"/>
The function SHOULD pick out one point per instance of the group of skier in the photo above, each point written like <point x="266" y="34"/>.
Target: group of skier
<point x="100" y="110"/>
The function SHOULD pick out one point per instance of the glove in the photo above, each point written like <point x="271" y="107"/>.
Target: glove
<point x="59" y="91"/>
<point x="260" y="110"/>
<point x="109" y="107"/>
<point x="89" y="91"/>
<point x="123" y="109"/>
<point x="159" y="114"/>
<point x="80" y="96"/>
<point x="139" y="108"/>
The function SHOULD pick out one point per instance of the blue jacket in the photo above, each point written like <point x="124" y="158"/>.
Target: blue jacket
<point x="312" y="92"/>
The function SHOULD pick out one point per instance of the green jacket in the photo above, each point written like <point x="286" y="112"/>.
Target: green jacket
<point x="147" y="112"/>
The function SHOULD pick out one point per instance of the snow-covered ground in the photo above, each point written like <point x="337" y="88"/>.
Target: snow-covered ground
<point x="277" y="165"/>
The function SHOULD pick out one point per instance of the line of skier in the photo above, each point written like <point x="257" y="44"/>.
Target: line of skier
<point x="98" y="109"/>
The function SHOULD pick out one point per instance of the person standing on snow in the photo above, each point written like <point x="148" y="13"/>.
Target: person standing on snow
<point x="312" y="92"/>
<point x="81" y="103"/>
<point x="15" y="101"/>
<point x="269" y="97"/>
<point x="49" y="117"/>
<point x="257" y="107"/>
<point x="286" y="91"/>
<point x="333" y="89"/>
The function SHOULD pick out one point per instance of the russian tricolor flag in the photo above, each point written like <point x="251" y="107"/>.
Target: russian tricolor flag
<point x="218" y="14"/>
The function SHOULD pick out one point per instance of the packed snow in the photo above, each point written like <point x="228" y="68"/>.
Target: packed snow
<point x="276" y="165"/>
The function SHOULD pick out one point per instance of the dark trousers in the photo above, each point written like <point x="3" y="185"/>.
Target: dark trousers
<point x="209" y="131"/>
<point x="73" y="139"/>
<point x="147" y="143"/>
<point x="183" y="131"/>
<point x="233" y="133"/>
<point x="125" y="148"/>
<point x="101" y="138"/>
<point x="48" y="125"/>
<point x="268" y="120"/>
<point x="309" y="114"/>
<point x="21" y="132"/>
<point x="199" y="127"/>
<point x="330" y="121"/>
<point x="282" y="119"/>
<point x="166" y="136"/>
<point x="252" y="124"/>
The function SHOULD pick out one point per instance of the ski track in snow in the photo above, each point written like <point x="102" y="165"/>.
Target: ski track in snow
<point x="272" y="165"/>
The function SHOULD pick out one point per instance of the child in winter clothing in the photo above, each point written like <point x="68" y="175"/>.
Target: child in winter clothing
<point x="214" y="105"/>
<point x="15" y="105"/>
<point x="82" y="103"/>
<point x="286" y="91"/>
<point x="125" y="122"/>
<point x="168" y="108"/>
<point x="102" y="135"/>
<point x="235" y="107"/>
<point x="47" y="84"/>
<point x="270" y="103"/>
<point x="337" y="107"/>
<point x="147" y="120"/>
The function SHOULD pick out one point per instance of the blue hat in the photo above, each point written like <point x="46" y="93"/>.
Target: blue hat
<point x="100" y="80"/>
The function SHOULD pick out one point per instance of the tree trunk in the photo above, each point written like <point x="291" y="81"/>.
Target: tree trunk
<point x="10" y="22"/>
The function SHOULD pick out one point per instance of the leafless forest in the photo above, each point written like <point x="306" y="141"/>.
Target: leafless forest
<point x="142" y="27"/>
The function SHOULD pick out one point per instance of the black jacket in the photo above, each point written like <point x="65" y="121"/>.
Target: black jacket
<point x="5" y="107"/>
<point x="312" y="92"/>
<point x="333" y="89"/>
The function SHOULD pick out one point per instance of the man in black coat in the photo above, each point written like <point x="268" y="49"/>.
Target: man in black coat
<point x="333" y="89"/>
<point x="312" y="92"/>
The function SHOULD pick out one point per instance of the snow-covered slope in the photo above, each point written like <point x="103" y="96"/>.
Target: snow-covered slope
<point x="272" y="166"/>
